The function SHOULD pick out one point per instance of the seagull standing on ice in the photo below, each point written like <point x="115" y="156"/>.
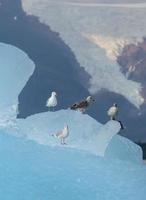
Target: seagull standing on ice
<point x="113" y="111"/>
<point x="52" y="101"/>
<point x="62" y="135"/>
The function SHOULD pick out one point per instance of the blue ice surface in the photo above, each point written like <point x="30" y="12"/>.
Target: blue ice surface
<point x="85" y="134"/>
<point x="30" y="171"/>
<point x="15" y="70"/>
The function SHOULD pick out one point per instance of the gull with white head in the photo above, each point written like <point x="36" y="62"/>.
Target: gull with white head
<point x="62" y="135"/>
<point x="52" y="101"/>
<point x="113" y="111"/>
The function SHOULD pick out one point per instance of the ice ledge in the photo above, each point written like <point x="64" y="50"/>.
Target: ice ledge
<point x="85" y="134"/>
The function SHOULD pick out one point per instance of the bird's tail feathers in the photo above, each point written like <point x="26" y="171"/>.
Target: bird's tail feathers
<point x="56" y="135"/>
<point x="52" y="134"/>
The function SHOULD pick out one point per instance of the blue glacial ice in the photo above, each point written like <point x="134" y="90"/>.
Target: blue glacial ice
<point x="96" y="163"/>
<point x="85" y="134"/>
<point x="37" y="172"/>
<point x="15" y="70"/>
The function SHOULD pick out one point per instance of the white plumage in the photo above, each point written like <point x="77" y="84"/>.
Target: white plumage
<point x="63" y="134"/>
<point x="113" y="111"/>
<point x="52" y="101"/>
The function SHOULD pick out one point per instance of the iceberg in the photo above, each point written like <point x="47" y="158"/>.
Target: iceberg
<point x="85" y="134"/>
<point x="15" y="70"/>
<point x="95" y="164"/>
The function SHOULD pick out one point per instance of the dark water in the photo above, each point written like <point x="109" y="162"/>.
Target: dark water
<point x="57" y="70"/>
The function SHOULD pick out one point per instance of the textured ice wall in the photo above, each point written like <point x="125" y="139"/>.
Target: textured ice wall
<point x="15" y="70"/>
<point x="96" y="33"/>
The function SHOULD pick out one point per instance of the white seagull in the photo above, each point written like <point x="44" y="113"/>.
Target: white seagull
<point x="113" y="111"/>
<point x="62" y="135"/>
<point x="52" y="101"/>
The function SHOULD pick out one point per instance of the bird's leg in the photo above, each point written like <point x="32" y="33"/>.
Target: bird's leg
<point x="83" y="111"/>
<point x="63" y="141"/>
<point x="113" y="118"/>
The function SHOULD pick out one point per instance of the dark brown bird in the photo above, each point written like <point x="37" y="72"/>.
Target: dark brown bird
<point x="81" y="106"/>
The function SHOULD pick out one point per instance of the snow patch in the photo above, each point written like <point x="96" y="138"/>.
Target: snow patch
<point x="112" y="46"/>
